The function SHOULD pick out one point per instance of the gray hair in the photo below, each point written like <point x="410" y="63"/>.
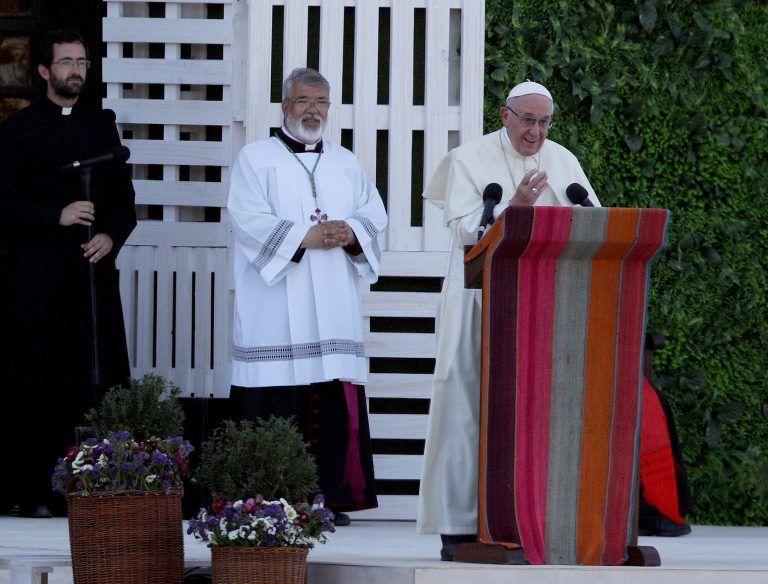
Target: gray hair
<point x="307" y="77"/>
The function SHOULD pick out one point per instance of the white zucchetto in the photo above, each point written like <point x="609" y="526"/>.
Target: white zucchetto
<point x="528" y="88"/>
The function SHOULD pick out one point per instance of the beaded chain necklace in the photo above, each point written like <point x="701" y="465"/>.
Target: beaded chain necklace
<point x="319" y="216"/>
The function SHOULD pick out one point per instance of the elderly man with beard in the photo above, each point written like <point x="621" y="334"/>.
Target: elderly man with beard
<point x="306" y="222"/>
<point x="54" y="236"/>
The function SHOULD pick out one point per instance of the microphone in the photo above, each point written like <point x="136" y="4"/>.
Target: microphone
<point x="578" y="195"/>
<point x="116" y="153"/>
<point x="491" y="198"/>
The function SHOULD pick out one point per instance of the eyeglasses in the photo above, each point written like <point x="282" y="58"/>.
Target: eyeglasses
<point x="305" y="104"/>
<point x="527" y="121"/>
<point x="70" y="63"/>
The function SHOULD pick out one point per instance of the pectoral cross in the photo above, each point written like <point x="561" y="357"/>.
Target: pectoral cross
<point x="319" y="216"/>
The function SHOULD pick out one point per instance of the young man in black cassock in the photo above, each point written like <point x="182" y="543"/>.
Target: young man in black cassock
<point x="53" y="235"/>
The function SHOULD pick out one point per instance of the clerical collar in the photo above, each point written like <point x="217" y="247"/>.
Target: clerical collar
<point x="55" y="109"/>
<point x="295" y="145"/>
<point x="505" y="137"/>
<point x="536" y="158"/>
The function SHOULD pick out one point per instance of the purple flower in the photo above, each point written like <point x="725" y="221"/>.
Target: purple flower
<point x="258" y="523"/>
<point x="120" y="463"/>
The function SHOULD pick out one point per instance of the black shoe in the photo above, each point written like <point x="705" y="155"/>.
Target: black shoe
<point x="663" y="528"/>
<point x="198" y="576"/>
<point x="451" y="542"/>
<point x="36" y="512"/>
<point x="341" y="520"/>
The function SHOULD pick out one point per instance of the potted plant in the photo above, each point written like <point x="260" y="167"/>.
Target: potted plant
<point x="255" y="534"/>
<point x="260" y="541"/>
<point x="124" y="488"/>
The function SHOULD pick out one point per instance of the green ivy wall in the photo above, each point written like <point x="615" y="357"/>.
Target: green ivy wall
<point x="664" y="103"/>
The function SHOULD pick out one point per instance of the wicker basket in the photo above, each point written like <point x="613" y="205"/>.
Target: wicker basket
<point x="254" y="565"/>
<point x="127" y="537"/>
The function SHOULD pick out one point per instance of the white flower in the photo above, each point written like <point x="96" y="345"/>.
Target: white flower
<point x="77" y="463"/>
<point x="290" y="512"/>
<point x="150" y="478"/>
<point x="232" y="535"/>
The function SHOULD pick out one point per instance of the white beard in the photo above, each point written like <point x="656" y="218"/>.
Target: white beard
<point x="297" y="129"/>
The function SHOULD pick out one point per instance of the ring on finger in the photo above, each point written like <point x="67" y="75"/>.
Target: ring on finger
<point x="534" y="190"/>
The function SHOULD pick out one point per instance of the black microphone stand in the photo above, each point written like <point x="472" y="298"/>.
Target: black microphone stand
<point x="85" y="178"/>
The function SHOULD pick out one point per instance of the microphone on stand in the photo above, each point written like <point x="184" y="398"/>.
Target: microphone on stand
<point x="116" y="153"/>
<point x="578" y="195"/>
<point x="491" y="198"/>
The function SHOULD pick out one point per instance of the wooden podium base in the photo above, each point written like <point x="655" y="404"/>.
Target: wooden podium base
<point x="483" y="553"/>
<point x="488" y="553"/>
<point x="643" y="555"/>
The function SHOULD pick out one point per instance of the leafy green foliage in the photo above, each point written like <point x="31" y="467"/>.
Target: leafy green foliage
<point x="268" y="458"/>
<point x="664" y="104"/>
<point x="148" y="408"/>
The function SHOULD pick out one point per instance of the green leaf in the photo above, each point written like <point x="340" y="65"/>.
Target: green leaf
<point x="698" y="125"/>
<point x="703" y="24"/>
<point x="713" y="434"/>
<point x="634" y="142"/>
<point x="694" y="379"/>
<point x="608" y="81"/>
<point x="675" y="28"/>
<point x="663" y="45"/>
<point x="702" y="62"/>
<point x="648" y="16"/>
<point x="597" y="111"/>
<point x="499" y="75"/>
<point x="713" y="257"/>
<point x="723" y="137"/>
<point x="649" y="170"/>
<point x="730" y="412"/>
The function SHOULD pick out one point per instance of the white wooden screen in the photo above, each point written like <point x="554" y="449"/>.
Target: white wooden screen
<point x="192" y="81"/>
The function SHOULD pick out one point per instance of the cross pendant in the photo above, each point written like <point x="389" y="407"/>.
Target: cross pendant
<point x="319" y="216"/>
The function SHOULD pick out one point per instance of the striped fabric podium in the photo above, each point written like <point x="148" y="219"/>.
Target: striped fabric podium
<point x="564" y="303"/>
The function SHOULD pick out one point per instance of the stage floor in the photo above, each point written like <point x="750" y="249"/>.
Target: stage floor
<point x="391" y="552"/>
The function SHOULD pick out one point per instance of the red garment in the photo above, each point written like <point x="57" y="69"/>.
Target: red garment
<point x="658" y="480"/>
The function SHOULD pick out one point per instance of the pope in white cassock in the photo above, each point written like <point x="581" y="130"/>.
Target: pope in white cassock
<point x="306" y="222"/>
<point x="531" y="170"/>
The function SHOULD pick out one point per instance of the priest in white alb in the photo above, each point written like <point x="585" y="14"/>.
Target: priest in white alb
<point x="306" y="222"/>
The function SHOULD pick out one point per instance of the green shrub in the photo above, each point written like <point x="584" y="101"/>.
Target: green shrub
<point x="269" y="458"/>
<point x="149" y="407"/>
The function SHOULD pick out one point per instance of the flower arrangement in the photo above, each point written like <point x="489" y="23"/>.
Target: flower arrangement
<point x="261" y="523"/>
<point x="120" y="463"/>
